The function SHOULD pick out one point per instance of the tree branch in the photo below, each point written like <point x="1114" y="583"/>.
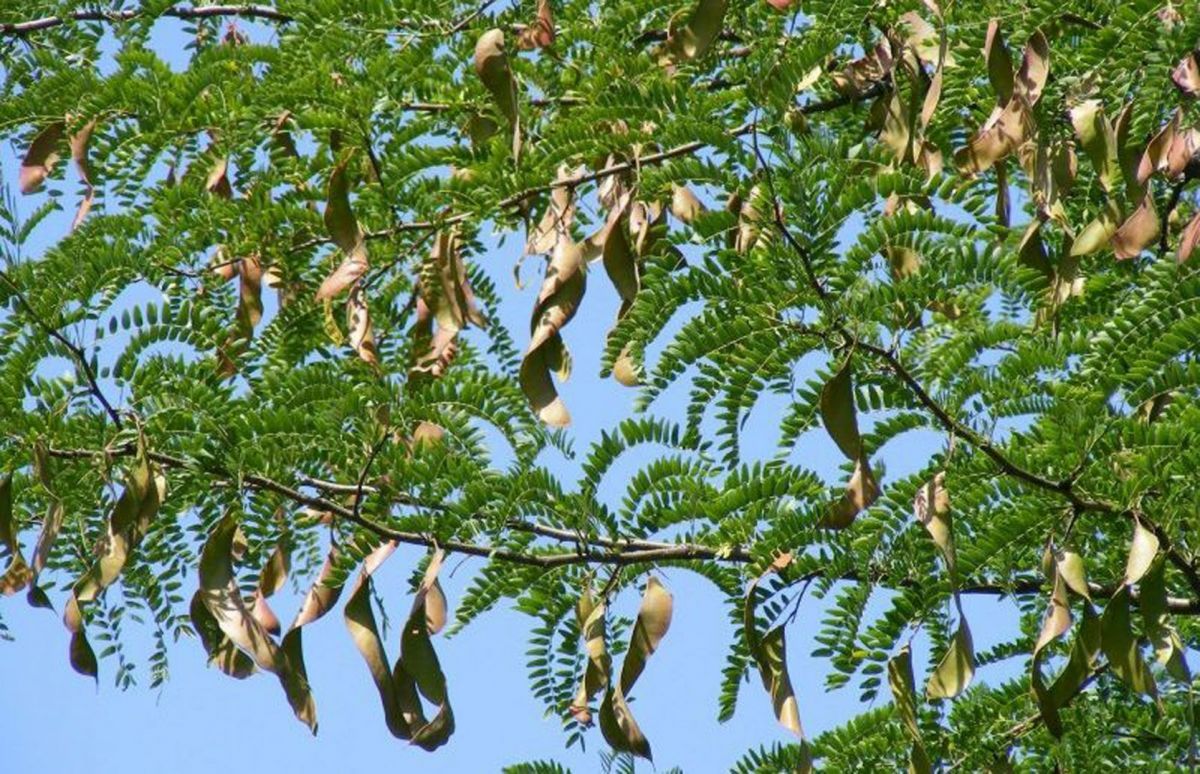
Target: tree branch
<point x="975" y="439"/>
<point x="179" y="12"/>
<point x="78" y="354"/>
<point x="589" y="550"/>
<point x="1033" y="721"/>
<point x="688" y="148"/>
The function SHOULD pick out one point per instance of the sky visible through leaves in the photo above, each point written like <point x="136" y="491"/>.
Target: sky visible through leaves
<point x="200" y="721"/>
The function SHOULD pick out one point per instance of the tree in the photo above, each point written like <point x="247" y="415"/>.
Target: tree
<point x="969" y="219"/>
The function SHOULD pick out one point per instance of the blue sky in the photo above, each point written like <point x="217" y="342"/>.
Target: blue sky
<point x="201" y="721"/>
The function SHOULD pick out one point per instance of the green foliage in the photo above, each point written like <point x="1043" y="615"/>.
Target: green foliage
<point x="849" y="217"/>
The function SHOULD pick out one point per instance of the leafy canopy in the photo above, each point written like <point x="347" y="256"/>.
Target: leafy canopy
<point x="971" y="219"/>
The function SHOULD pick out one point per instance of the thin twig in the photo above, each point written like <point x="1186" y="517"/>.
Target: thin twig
<point x="77" y="353"/>
<point x="463" y="22"/>
<point x="589" y="550"/>
<point x="178" y="12"/>
<point x="1172" y="203"/>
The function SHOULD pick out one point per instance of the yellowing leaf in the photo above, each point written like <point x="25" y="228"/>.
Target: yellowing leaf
<point x="41" y="157"/>
<point x="1186" y="75"/>
<point x="1142" y="551"/>
<point x="558" y="300"/>
<point x="79" y="153"/>
<point x="1121" y="647"/>
<point x="900" y="680"/>
<point x="491" y="65"/>
<point x="591" y="617"/>
<point x="17" y="574"/>
<point x="954" y="672"/>
<point x="1168" y="648"/>
<point x="693" y="39"/>
<point x="770" y="655"/>
<point x="220" y="594"/>
<point x="1139" y="231"/>
<point x="838" y="413"/>
<point x="358" y="324"/>
<point x="616" y="720"/>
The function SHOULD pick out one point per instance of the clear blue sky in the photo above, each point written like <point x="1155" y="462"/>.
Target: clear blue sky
<point x="202" y="721"/>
